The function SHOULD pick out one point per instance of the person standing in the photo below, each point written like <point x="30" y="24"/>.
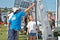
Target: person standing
<point x="15" y="22"/>
<point x="53" y="21"/>
<point x="49" y="19"/>
<point x="31" y="31"/>
<point x="10" y="13"/>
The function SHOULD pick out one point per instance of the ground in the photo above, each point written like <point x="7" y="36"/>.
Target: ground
<point x="22" y="35"/>
<point x="3" y="34"/>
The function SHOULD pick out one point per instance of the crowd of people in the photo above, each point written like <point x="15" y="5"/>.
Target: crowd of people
<point x="14" y="19"/>
<point x="14" y="23"/>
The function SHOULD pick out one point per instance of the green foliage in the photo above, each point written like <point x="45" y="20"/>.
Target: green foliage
<point x="56" y="34"/>
<point x="5" y="9"/>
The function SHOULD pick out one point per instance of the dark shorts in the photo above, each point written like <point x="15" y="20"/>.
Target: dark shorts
<point x="32" y="34"/>
<point x="12" y="34"/>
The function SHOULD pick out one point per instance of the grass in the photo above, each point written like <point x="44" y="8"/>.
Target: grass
<point x="3" y="34"/>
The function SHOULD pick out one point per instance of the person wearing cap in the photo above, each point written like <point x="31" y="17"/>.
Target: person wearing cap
<point x="15" y="22"/>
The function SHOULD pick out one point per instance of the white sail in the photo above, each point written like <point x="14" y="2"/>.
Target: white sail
<point x="41" y="12"/>
<point x="58" y="7"/>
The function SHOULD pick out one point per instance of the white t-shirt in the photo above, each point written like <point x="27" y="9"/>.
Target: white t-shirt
<point x="10" y="15"/>
<point x="32" y="26"/>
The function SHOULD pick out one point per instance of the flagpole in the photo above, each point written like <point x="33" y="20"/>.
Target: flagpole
<point x="36" y="12"/>
<point x="36" y="15"/>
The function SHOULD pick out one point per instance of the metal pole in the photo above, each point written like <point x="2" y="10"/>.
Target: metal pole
<point x="36" y="15"/>
<point x="57" y="11"/>
<point x="36" y="12"/>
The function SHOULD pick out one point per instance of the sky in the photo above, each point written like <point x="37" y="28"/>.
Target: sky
<point x="50" y="5"/>
<point x="6" y="3"/>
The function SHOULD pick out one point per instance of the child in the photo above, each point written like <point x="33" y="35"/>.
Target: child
<point x="31" y="28"/>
